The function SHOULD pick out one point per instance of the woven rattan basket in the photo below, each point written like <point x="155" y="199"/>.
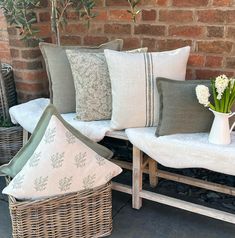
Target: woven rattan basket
<point x="7" y="90"/>
<point x="10" y="137"/>
<point x="84" y="214"/>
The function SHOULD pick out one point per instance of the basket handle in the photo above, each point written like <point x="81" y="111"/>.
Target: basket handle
<point x="3" y="97"/>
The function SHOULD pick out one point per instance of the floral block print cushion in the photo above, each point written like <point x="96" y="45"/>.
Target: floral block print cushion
<point x="61" y="164"/>
<point x="92" y="84"/>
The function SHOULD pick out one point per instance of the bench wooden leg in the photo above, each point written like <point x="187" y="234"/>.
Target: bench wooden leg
<point x="25" y="136"/>
<point x="153" y="179"/>
<point x="137" y="178"/>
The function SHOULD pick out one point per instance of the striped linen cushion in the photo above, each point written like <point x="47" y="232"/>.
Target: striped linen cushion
<point x="135" y="100"/>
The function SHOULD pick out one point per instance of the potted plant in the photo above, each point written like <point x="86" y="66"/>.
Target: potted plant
<point x="223" y="91"/>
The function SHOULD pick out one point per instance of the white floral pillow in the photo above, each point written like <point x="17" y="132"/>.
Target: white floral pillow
<point x="60" y="164"/>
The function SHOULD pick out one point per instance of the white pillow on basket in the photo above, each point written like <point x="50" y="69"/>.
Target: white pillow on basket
<point x="61" y="164"/>
<point x="133" y="82"/>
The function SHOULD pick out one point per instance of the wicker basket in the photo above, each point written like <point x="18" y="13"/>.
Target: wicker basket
<point x="7" y="90"/>
<point x="85" y="214"/>
<point x="11" y="140"/>
<point x="10" y="137"/>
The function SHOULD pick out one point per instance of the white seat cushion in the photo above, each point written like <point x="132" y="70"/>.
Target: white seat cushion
<point x="185" y="150"/>
<point x="28" y="114"/>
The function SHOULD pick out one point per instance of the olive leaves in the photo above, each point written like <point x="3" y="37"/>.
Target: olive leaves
<point x="133" y="9"/>
<point x="21" y="14"/>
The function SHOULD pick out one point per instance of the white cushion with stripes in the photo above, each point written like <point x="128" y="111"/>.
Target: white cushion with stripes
<point x="133" y="82"/>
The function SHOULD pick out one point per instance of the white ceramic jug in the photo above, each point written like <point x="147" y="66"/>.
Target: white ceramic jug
<point x="220" y="133"/>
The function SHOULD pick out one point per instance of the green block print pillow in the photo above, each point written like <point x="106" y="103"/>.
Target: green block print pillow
<point x="92" y="84"/>
<point x="63" y="162"/>
<point x="61" y="86"/>
<point x="180" y="111"/>
<point x="20" y="159"/>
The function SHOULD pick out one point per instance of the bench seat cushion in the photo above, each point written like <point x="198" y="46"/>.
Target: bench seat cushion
<point x="28" y="114"/>
<point x="176" y="151"/>
<point x="184" y="150"/>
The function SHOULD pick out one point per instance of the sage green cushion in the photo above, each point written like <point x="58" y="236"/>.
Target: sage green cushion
<point x="17" y="163"/>
<point x="61" y="86"/>
<point x="180" y="111"/>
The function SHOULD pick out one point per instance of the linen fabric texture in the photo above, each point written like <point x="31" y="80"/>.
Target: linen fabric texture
<point x="92" y="84"/>
<point x="61" y="164"/>
<point x="133" y="83"/>
<point x="61" y="86"/>
<point x="180" y="111"/>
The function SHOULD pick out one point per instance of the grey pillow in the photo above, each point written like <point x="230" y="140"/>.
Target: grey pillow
<point x="92" y="84"/>
<point x="180" y="111"/>
<point x="62" y="91"/>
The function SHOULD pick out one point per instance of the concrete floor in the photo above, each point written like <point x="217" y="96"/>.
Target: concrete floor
<point x="153" y="220"/>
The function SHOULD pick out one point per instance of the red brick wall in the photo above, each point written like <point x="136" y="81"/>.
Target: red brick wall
<point x="29" y="70"/>
<point x="208" y="26"/>
<point x="5" y="55"/>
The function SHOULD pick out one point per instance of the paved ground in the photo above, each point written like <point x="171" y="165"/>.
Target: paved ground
<point x="153" y="220"/>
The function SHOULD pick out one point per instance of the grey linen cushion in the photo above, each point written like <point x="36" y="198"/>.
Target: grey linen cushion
<point x="62" y="91"/>
<point x="92" y="84"/>
<point x="180" y="111"/>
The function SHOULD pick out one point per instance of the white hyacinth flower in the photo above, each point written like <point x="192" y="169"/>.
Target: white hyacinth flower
<point x="203" y="95"/>
<point x="221" y="83"/>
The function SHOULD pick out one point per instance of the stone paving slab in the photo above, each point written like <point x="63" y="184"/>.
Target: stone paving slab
<point x="5" y="225"/>
<point x="153" y="220"/>
<point x="160" y="221"/>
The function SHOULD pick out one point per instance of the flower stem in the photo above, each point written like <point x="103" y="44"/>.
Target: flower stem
<point x="217" y="106"/>
<point x="227" y="93"/>
<point x="211" y="107"/>
<point x="232" y="98"/>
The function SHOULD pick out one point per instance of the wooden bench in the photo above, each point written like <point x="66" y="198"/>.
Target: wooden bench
<point x="144" y="164"/>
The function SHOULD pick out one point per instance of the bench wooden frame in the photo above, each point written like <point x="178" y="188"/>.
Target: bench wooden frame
<point x="144" y="164"/>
